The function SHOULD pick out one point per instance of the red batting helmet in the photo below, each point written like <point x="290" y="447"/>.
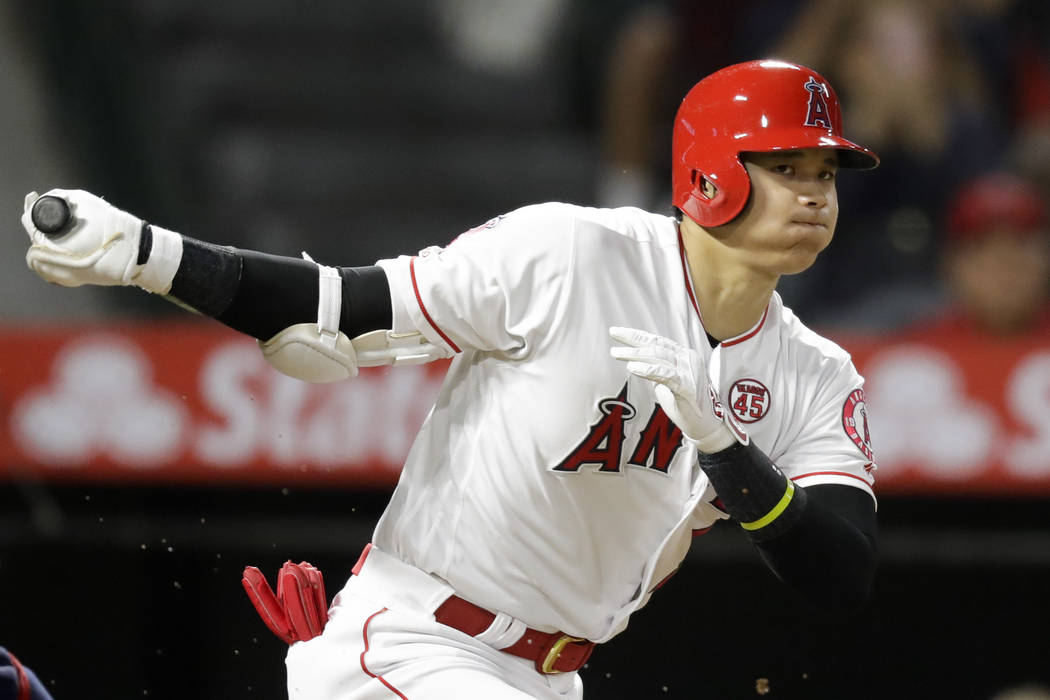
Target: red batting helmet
<point x="757" y="106"/>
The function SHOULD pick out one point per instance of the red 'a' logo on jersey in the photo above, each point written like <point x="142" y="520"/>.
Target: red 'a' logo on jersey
<point x="604" y="443"/>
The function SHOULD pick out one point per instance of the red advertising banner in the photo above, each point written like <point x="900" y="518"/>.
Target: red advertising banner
<point x="955" y="413"/>
<point x="193" y="402"/>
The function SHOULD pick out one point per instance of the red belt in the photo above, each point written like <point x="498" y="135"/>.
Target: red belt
<point x="552" y="653"/>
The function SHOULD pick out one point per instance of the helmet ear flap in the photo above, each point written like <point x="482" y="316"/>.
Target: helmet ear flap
<point x="716" y="199"/>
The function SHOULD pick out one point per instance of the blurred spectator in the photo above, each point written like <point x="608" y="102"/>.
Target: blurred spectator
<point x="996" y="260"/>
<point x="1012" y="39"/>
<point x="658" y="49"/>
<point x="913" y="88"/>
<point x="632" y="103"/>
<point x="1030" y="61"/>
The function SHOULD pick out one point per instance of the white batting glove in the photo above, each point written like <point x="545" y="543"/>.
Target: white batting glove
<point x="682" y="388"/>
<point x="101" y="248"/>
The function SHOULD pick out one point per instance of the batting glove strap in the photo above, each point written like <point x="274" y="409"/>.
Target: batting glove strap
<point x="162" y="259"/>
<point x="753" y="490"/>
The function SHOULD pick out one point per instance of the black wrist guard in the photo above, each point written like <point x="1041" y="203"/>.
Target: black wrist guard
<point x="753" y="490"/>
<point x="208" y="276"/>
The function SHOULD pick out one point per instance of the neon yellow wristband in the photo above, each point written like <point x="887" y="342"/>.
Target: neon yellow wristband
<point x="772" y="515"/>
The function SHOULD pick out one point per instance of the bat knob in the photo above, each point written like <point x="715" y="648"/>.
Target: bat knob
<point x="51" y="215"/>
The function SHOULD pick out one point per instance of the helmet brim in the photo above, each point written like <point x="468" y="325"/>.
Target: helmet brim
<point x="851" y="155"/>
<point x="857" y="158"/>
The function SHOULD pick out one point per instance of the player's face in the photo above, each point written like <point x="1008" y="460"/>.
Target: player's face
<point x="791" y="214"/>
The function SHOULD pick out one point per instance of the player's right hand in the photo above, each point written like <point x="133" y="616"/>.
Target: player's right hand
<point x="681" y="385"/>
<point x="101" y="247"/>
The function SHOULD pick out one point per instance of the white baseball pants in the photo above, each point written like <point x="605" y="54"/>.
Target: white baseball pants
<point x="382" y="643"/>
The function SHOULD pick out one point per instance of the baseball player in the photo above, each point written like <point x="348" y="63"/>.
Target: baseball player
<point x="620" y="381"/>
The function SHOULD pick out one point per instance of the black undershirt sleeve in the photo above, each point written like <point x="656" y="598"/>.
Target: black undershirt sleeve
<point x="821" y="544"/>
<point x="829" y="555"/>
<point x="260" y="294"/>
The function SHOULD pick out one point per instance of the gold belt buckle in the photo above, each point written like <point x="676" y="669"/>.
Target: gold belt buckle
<point x="555" y="652"/>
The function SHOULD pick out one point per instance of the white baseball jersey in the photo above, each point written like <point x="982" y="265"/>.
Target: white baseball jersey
<point x="546" y="483"/>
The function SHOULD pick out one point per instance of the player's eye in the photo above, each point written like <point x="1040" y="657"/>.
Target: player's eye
<point x="827" y="175"/>
<point x="784" y="169"/>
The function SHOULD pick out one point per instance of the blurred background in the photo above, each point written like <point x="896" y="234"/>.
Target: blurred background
<point x="146" y="456"/>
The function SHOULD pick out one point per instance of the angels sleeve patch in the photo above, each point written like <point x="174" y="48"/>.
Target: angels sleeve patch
<point x="855" y="422"/>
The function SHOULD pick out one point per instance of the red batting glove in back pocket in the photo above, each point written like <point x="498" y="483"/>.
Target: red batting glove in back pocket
<point x="299" y="611"/>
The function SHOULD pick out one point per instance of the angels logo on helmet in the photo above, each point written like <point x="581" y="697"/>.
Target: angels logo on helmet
<point x="817" y="115"/>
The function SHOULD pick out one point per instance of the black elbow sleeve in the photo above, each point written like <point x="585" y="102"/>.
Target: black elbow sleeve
<point x="278" y="292"/>
<point x="260" y="294"/>
<point x="366" y="300"/>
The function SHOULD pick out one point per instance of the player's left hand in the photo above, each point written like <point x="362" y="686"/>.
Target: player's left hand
<point x="682" y="388"/>
<point x="101" y="248"/>
<point x="299" y="610"/>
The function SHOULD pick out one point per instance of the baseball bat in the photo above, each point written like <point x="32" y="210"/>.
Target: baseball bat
<point x="51" y="216"/>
